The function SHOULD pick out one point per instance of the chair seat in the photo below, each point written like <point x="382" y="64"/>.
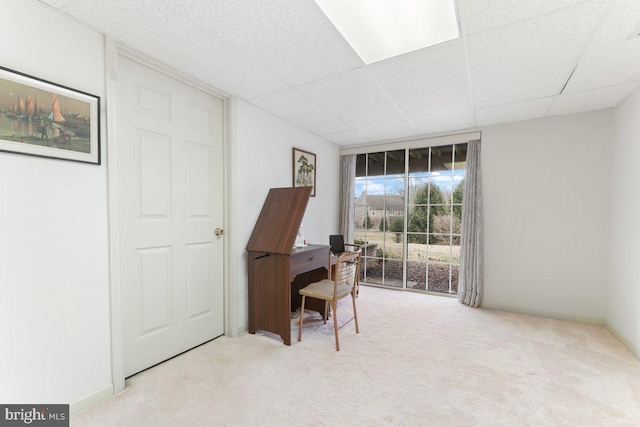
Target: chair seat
<point x="324" y="290"/>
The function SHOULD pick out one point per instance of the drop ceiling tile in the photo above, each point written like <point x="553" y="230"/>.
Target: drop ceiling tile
<point x="155" y="29"/>
<point x="237" y="74"/>
<point x="55" y="3"/>
<point x="354" y="97"/>
<point x="444" y="123"/>
<point x="482" y="15"/>
<point x="293" y="38"/>
<point x="532" y="59"/>
<point x="206" y="14"/>
<point x="524" y="110"/>
<point x="428" y="82"/>
<point x="349" y="137"/>
<point x="611" y="58"/>
<point x="597" y="99"/>
<point x="388" y="131"/>
<point x="294" y="107"/>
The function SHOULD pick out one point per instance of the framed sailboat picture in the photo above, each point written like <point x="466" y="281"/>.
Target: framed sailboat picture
<point x="44" y="119"/>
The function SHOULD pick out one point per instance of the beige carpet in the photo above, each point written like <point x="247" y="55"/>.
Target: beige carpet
<point x="418" y="360"/>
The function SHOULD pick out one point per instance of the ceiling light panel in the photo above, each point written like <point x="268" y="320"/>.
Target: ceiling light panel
<point x="380" y="29"/>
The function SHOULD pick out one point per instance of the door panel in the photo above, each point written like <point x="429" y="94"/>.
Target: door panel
<point x="154" y="288"/>
<point x="198" y="279"/>
<point x="199" y="190"/>
<point x="153" y="155"/>
<point x="170" y="161"/>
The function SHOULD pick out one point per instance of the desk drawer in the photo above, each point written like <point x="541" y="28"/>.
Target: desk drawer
<point x="308" y="260"/>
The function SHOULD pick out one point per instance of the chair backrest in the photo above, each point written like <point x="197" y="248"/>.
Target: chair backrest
<point x="348" y="269"/>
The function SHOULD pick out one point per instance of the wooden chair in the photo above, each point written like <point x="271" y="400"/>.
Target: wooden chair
<point x="338" y="247"/>
<point x="355" y="248"/>
<point x="345" y="283"/>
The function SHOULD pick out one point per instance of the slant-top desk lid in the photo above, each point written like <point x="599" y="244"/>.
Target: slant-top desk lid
<point x="279" y="221"/>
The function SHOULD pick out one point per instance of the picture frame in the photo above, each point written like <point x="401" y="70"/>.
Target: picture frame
<point x="304" y="169"/>
<point x="44" y="119"/>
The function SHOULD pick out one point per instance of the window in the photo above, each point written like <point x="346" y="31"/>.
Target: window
<point x="380" y="184"/>
<point x="415" y="243"/>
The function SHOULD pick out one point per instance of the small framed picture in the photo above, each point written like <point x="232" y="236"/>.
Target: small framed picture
<point x="44" y="119"/>
<point x="304" y="169"/>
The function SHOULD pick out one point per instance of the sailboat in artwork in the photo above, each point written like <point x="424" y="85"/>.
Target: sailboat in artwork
<point x="22" y="113"/>
<point x="29" y="108"/>
<point x="56" y="115"/>
<point x="35" y="114"/>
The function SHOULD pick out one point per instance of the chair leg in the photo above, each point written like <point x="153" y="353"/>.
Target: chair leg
<point x="301" y="317"/>
<point x="335" y="323"/>
<point x="326" y="311"/>
<point x="355" y="314"/>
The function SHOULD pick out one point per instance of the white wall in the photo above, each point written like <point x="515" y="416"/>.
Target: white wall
<point x="623" y="290"/>
<point x="261" y="155"/>
<point x="54" y="282"/>
<point x="546" y="190"/>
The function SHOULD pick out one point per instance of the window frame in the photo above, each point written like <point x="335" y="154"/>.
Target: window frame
<point x="450" y="204"/>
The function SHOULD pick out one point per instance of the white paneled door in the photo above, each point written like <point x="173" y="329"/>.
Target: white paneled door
<point x="170" y="173"/>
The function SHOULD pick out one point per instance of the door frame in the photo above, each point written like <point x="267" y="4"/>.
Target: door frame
<point x="113" y="49"/>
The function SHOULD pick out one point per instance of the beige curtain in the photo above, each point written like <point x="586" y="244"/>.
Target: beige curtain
<point x="470" y="279"/>
<point x="347" y="190"/>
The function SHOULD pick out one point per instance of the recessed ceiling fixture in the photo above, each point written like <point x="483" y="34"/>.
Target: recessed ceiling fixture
<point x="380" y="29"/>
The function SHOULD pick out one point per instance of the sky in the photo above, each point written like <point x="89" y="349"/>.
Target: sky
<point x="395" y="183"/>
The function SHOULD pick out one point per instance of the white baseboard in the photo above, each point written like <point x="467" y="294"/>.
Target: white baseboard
<point x="241" y="329"/>
<point x="616" y="333"/>
<point x="91" y="400"/>
<point x="552" y="315"/>
<point x="237" y="331"/>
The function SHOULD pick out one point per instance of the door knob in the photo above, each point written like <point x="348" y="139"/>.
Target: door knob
<point x="219" y="231"/>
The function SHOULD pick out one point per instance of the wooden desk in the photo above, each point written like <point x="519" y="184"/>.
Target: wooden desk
<point x="274" y="282"/>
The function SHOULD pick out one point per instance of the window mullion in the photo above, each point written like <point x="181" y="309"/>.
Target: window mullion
<point x="405" y="244"/>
